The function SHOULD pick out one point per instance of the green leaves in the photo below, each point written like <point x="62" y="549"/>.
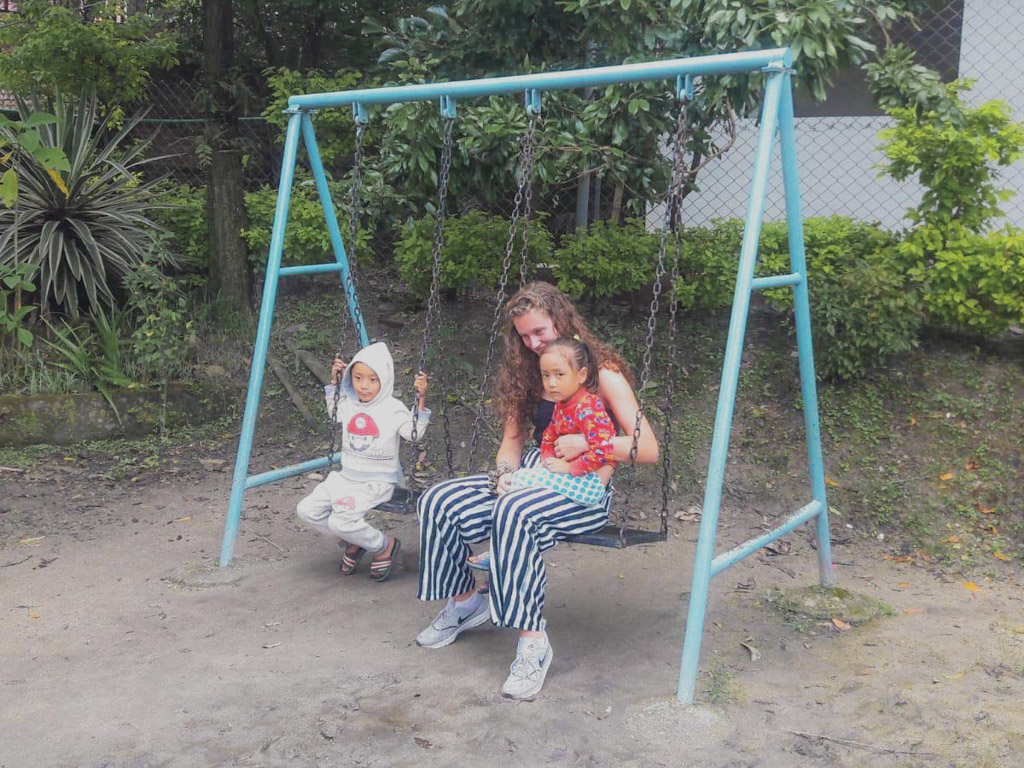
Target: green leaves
<point x="9" y="187"/>
<point x="473" y="250"/>
<point x="954" y="151"/>
<point x="83" y="214"/>
<point x="56" y="48"/>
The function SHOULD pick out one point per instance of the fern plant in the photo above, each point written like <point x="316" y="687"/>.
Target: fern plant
<point x="85" y="228"/>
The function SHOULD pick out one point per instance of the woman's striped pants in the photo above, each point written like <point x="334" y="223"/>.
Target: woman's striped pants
<point x="521" y="525"/>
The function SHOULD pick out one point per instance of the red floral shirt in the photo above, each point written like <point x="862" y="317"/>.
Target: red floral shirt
<point x="582" y="414"/>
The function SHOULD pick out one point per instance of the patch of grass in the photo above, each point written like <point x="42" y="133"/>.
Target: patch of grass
<point x="722" y="686"/>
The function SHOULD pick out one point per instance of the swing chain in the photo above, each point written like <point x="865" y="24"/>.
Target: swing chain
<point x="520" y="208"/>
<point x="679" y="178"/>
<point x="676" y="222"/>
<point x="350" y="279"/>
<point x="433" y="302"/>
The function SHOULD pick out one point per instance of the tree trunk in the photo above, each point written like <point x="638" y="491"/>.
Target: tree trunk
<point x="583" y="201"/>
<point x="230" y="276"/>
<point x="616" y="212"/>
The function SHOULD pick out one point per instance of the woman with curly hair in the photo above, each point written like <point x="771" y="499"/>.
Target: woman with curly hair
<point x="521" y="524"/>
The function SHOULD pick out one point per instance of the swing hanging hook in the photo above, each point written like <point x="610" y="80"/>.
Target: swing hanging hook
<point x="359" y="114"/>
<point x="448" y="108"/>
<point x="684" y="88"/>
<point x="532" y="99"/>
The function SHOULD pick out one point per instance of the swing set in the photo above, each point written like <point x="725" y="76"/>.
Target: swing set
<point x="776" y="120"/>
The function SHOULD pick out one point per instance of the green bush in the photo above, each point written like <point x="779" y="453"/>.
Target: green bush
<point x="609" y="260"/>
<point x="306" y="240"/>
<point x="861" y="316"/>
<point x="831" y="244"/>
<point x="707" y="266"/>
<point x="163" y="341"/>
<point x="969" y="282"/>
<point x="473" y="251"/>
<point x="185" y="219"/>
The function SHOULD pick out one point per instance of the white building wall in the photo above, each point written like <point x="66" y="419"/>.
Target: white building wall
<point x="839" y="155"/>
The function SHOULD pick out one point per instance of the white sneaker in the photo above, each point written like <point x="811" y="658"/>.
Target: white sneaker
<point x="527" y="673"/>
<point x="451" y="622"/>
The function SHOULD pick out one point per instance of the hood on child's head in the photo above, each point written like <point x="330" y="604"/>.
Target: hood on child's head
<point x="376" y="357"/>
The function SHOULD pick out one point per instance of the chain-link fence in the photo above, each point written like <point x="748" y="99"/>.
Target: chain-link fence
<point x="837" y="139"/>
<point x="174" y="120"/>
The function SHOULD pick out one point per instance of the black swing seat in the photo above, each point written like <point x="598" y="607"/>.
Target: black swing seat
<point x="402" y="502"/>
<point x="609" y="537"/>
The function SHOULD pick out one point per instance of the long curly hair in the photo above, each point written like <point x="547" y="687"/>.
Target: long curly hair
<point x="519" y="386"/>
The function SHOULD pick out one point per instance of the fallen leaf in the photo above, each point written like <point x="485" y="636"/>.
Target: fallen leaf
<point x="841" y="625"/>
<point x="972" y="464"/>
<point x="951" y="539"/>
<point x="1000" y="556"/>
<point x="830" y="482"/>
<point x="913" y="421"/>
<point x="984" y="510"/>
<point x="32" y="540"/>
<point x="970" y="586"/>
<point x="912" y="611"/>
<point x="33" y="615"/>
<point x="183" y="519"/>
<point x="423" y="742"/>
<point x="955" y="676"/>
<point x="947" y="476"/>
<point x="271" y="645"/>
<point x="898" y="558"/>
<point x="903" y="584"/>
<point x="755" y="655"/>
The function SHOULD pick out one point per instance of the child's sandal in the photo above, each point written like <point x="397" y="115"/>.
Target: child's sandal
<point x="481" y="562"/>
<point x="349" y="563"/>
<point x="380" y="570"/>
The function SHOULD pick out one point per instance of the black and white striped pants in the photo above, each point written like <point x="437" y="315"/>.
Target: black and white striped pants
<point x="522" y="525"/>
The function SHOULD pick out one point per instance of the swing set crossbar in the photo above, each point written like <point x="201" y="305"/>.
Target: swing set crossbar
<point x="777" y="123"/>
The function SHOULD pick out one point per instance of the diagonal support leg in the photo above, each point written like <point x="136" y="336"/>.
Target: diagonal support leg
<point x="727" y="393"/>
<point x="259" y="353"/>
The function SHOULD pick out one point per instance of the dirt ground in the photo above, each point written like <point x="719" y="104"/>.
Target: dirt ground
<point x="122" y="645"/>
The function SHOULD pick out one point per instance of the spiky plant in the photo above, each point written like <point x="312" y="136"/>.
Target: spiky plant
<point x="86" y="228"/>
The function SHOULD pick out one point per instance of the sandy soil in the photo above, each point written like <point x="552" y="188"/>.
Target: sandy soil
<point x="122" y="645"/>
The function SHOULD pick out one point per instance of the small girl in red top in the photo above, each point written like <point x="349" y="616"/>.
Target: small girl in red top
<point x="569" y="375"/>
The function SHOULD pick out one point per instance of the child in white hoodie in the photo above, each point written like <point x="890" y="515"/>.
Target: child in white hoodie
<point x="373" y="422"/>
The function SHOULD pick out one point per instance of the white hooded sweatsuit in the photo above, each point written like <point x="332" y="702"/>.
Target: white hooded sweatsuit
<point x="370" y="465"/>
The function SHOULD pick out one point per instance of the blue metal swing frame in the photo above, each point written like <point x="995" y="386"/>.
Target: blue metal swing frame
<point x="776" y="120"/>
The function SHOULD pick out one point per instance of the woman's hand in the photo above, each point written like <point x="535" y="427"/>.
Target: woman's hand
<point x="338" y="370"/>
<point x="558" y="466"/>
<point x="569" y="447"/>
<point x="504" y="484"/>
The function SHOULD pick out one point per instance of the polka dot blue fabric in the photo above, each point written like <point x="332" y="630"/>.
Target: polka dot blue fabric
<point x="584" y="489"/>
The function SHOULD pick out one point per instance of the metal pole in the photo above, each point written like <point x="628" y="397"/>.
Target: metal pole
<point x="717" y="64"/>
<point x="802" y="312"/>
<point x="259" y="353"/>
<point x="727" y="389"/>
<point x="320" y="178"/>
